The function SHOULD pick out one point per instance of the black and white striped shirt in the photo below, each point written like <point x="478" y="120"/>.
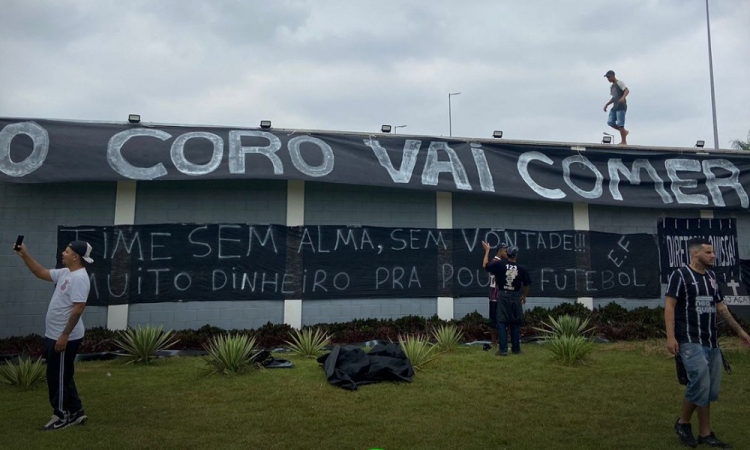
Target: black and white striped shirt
<point x="695" y="313"/>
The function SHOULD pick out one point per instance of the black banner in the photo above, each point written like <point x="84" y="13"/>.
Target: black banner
<point x="204" y="262"/>
<point x="722" y="233"/>
<point x="45" y="151"/>
<point x="736" y="292"/>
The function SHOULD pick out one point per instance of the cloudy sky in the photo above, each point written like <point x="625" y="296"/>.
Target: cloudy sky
<point x="533" y="69"/>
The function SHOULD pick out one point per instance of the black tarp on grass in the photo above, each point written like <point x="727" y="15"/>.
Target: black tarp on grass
<point x="349" y="366"/>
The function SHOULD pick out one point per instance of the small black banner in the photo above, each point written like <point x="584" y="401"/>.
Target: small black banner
<point x="722" y="233"/>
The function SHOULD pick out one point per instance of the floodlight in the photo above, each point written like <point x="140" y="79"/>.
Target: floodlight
<point x="134" y="118"/>
<point x="700" y="144"/>
<point x="497" y="134"/>
<point x="385" y="128"/>
<point x="607" y="139"/>
<point x="265" y="124"/>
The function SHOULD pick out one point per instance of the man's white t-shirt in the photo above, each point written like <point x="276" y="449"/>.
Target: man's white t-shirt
<point x="70" y="287"/>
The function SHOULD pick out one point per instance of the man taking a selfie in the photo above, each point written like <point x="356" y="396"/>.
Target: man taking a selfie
<point x="63" y="329"/>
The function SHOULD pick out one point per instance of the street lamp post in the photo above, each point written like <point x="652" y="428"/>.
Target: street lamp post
<point x="395" y="128"/>
<point x="450" y="117"/>
<point x="711" y="73"/>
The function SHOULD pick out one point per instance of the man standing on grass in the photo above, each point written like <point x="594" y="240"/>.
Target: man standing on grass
<point x="502" y="253"/>
<point x="513" y="286"/>
<point x="64" y="329"/>
<point x="693" y="300"/>
<point x="616" y="119"/>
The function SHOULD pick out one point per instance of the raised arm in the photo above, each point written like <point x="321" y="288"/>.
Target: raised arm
<point x="34" y="267"/>
<point x="486" y="254"/>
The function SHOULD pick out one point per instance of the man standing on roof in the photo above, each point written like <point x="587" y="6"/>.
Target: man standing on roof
<point x="502" y="253"/>
<point x="616" y="118"/>
<point x="513" y="287"/>
<point x="64" y="329"/>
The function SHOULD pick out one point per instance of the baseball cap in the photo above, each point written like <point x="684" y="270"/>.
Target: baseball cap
<point x="502" y="245"/>
<point x="512" y="251"/>
<point x="83" y="248"/>
<point x="610" y="73"/>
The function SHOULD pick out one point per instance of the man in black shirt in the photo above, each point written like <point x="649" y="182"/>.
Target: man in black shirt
<point x="693" y="300"/>
<point x="502" y="253"/>
<point x="513" y="286"/>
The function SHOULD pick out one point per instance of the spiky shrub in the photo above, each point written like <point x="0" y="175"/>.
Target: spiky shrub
<point x="565" y="326"/>
<point x="23" y="375"/>
<point x="418" y="349"/>
<point x="142" y="343"/>
<point x="569" y="349"/>
<point x="229" y="355"/>
<point x="308" y="342"/>
<point x="447" y="337"/>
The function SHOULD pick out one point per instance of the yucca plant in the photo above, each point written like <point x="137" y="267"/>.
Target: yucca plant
<point x="23" y="375"/>
<point x="568" y="326"/>
<point x="229" y="354"/>
<point x="418" y="349"/>
<point x="142" y="343"/>
<point x="447" y="337"/>
<point x="308" y="342"/>
<point x="569" y="349"/>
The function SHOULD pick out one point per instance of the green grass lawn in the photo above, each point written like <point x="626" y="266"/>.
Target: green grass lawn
<point x="626" y="397"/>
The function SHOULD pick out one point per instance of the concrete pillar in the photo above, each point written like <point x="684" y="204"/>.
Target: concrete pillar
<point x="295" y="216"/>
<point x="581" y="223"/>
<point x="117" y="315"/>
<point x="444" y="219"/>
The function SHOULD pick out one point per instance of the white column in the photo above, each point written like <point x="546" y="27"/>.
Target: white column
<point x="581" y="223"/>
<point x="295" y="216"/>
<point x="117" y="315"/>
<point x="444" y="219"/>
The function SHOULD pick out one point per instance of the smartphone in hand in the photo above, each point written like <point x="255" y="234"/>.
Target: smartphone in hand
<point x="19" y="241"/>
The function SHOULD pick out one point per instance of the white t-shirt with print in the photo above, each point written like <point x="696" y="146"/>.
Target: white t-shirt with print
<point x="70" y="287"/>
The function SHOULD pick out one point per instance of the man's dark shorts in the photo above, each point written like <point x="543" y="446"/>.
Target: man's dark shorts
<point x="493" y="314"/>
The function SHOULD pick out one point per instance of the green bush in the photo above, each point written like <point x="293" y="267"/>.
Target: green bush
<point x="272" y="334"/>
<point x="142" y="343"/>
<point x="25" y="374"/>
<point x="229" y="354"/>
<point x="569" y="349"/>
<point x="565" y="326"/>
<point x="611" y="312"/>
<point x="418" y="349"/>
<point x="447" y="337"/>
<point x="308" y="342"/>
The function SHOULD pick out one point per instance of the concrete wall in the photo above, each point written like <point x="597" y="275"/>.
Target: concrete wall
<point x="612" y="219"/>
<point x="335" y="204"/>
<point x="474" y="211"/>
<point x="36" y="211"/>
<point x="212" y="201"/>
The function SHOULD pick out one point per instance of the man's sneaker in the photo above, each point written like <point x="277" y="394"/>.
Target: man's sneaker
<point x="77" y="418"/>
<point x="712" y="441"/>
<point x="501" y="353"/>
<point x="685" y="433"/>
<point x="56" y="423"/>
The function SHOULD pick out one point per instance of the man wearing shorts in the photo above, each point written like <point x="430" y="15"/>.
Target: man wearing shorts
<point x="619" y="106"/>
<point x="693" y="300"/>
<point x="64" y="329"/>
<point x="502" y="253"/>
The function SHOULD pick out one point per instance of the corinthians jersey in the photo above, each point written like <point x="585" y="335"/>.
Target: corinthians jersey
<point x="695" y="313"/>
